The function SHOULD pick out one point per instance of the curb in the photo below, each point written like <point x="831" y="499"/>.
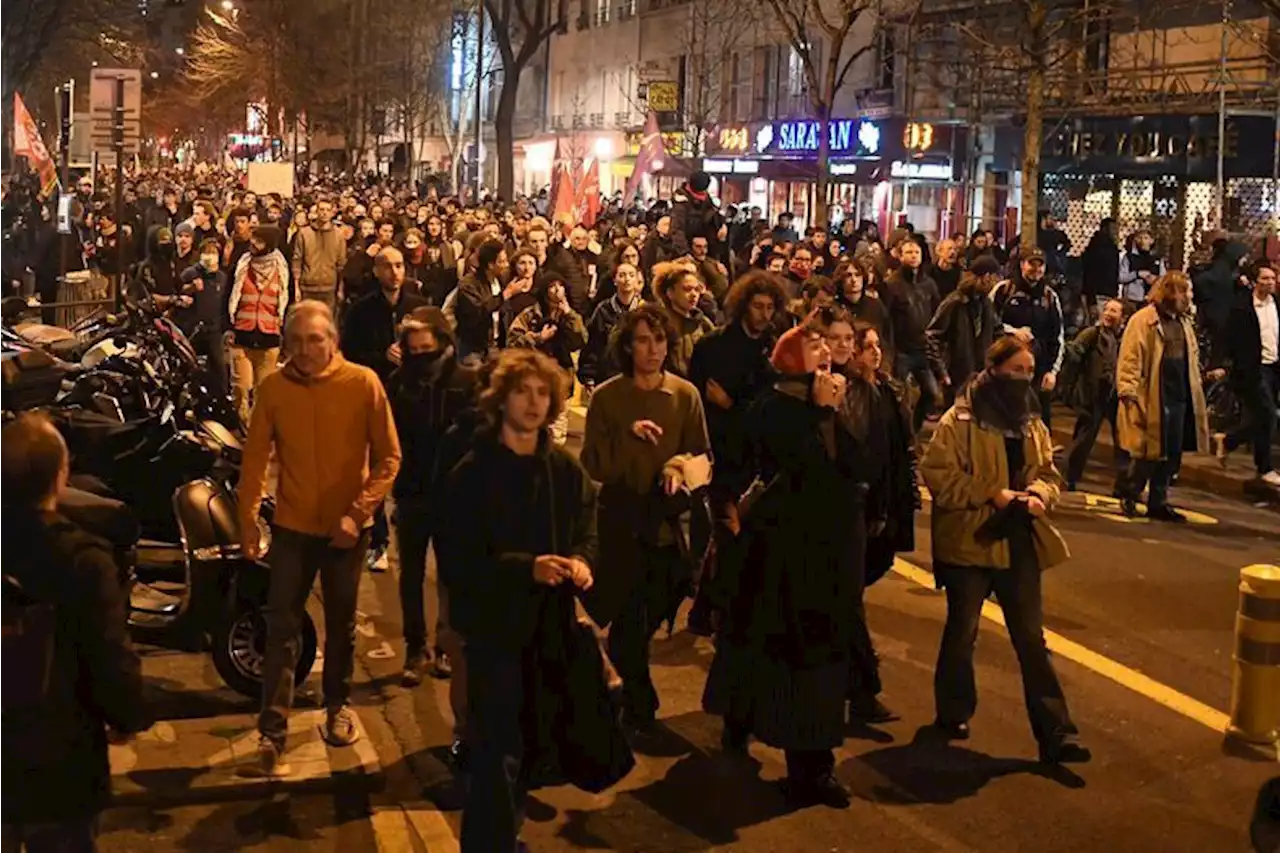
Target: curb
<point x="217" y="777"/>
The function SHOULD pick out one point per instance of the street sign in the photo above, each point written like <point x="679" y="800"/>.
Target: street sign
<point x="102" y="94"/>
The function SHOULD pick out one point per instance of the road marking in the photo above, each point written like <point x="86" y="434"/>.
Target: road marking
<point x="391" y="832"/>
<point x="1112" y="670"/>
<point x="432" y="829"/>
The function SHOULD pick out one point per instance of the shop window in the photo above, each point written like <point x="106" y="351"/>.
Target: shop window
<point x="921" y="195"/>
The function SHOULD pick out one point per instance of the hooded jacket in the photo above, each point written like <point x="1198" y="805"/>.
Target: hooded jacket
<point x="1215" y="287"/>
<point x="54" y="762"/>
<point x="425" y="405"/>
<point x="1101" y="265"/>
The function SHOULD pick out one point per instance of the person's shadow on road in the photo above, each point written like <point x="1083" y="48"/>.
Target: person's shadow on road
<point x="931" y="769"/>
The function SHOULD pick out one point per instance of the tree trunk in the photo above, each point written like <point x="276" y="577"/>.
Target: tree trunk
<point x="819" y="217"/>
<point x="1031" y="140"/>
<point x="504" y="120"/>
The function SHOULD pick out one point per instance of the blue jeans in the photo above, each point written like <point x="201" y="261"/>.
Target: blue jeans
<point x="916" y="364"/>
<point x="76" y="835"/>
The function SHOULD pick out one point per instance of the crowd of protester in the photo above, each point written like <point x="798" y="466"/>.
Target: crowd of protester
<point x="756" y="401"/>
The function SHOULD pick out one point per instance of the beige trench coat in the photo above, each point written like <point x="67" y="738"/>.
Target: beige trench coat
<point x="1138" y="380"/>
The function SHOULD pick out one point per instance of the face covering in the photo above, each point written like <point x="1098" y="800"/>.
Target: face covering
<point x="165" y="250"/>
<point x="418" y="362"/>
<point x="1005" y="400"/>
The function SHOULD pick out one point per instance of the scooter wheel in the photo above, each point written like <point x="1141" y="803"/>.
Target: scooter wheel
<point x="239" y="650"/>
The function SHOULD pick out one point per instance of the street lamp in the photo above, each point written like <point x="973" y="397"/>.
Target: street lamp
<point x="180" y="51"/>
<point x="155" y="75"/>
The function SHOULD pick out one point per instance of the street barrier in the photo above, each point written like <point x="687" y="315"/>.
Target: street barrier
<point x="1255" y="690"/>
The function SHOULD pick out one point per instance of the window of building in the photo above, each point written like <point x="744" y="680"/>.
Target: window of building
<point x="740" y="87"/>
<point x="886" y="56"/>
<point x="601" y="16"/>
<point x="765" y="88"/>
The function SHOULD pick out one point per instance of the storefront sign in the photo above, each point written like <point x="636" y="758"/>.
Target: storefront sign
<point x="664" y="96"/>
<point x="846" y="137"/>
<point x="917" y="136"/>
<point x="921" y="171"/>
<point x="674" y="143"/>
<point x="1159" y="145"/>
<point x="724" y="167"/>
<point x="734" y="140"/>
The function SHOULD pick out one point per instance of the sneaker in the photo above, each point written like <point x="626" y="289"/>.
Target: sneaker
<point x="1272" y="479"/>
<point x="377" y="560"/>
<point x="340" y="727"/>
<point x="1218" y="441"/>
<point x="441" y="667"/>
<point x="415" y="665"/>
<point x="270" y="763"/>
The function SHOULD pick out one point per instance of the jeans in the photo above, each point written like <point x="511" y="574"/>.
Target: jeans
<point x="493" y="810"/>
<point x="916" y="364"/>
<point x="412" y="527"/>
<point x="1259" y="402"/>
<point x="295" y="560"/>
<point x="248" y="368"/>
<point x="1088" y="422"/>
<point x="634" y="627"/>
<point x="1017" y="590"/>
<point x="75" y="835"/>
<point x="208" y="343"/>
<point x="1159" y="472"/>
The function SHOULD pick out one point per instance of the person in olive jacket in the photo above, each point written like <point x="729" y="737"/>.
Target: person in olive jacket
<point x="72" y="681"/>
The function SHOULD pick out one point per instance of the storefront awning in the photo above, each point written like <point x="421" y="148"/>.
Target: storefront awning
<point x="622" y="167"/>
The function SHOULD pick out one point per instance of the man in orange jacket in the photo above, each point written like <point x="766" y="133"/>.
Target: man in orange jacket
<point x="331" y="428"/>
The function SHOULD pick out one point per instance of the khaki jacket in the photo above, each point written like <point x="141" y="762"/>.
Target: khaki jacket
<point x="1138" y="380"/>
<point x="964" y="467"/>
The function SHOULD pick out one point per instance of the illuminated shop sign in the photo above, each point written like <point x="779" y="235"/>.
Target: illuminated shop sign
<point x="847" y="137"/>
<point x="917" y="136"/>
<point x="734" y="140"/>
<point x="921" y="171"/>
<point x="724" y="167"/>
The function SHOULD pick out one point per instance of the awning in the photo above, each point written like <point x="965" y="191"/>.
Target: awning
<point x="622" y="167"/>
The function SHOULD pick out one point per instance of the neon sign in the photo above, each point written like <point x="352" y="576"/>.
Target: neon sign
<point x="848" y="137"/>
<point x="917" y="136"/>
<point x="734" y="139"/>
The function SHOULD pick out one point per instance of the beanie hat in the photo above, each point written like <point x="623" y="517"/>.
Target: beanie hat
<point x="788" y="352"/>
<point x="184" y="228"/>
<point x="700" y="181"/>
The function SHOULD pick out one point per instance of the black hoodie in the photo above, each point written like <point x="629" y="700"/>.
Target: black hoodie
<point x="55" y="764"/>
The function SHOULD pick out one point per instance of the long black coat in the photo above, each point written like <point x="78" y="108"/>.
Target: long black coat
<point x="788" y="591"/>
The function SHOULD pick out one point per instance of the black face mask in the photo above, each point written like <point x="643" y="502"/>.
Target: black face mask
<point x="165" y="250"/>
<point x="418" y="362"/>
<point x="1007" y="398"/>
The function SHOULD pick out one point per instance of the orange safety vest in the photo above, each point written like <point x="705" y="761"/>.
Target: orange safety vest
<point x="259" y="307"/>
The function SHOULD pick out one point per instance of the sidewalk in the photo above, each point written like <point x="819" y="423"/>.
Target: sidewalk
<point x="1199" y="470"/>
<point x="207" y="736"/>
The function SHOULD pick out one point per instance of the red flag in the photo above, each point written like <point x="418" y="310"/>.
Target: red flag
<point x="587" y="197"/>
<point x="561" y="207"/>
<point x="27" y="143"/>
<point x="652" y="154"/>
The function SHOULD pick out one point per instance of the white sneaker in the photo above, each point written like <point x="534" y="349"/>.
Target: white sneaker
<point x="340" y="727"/>
<point x="382" y="563"/>
<point x="1272" y="479"/>
<point x="270" y="763"/>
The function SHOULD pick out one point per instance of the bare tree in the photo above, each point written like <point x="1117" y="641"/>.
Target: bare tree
<point x="519" y="28"/>
<point x="711" y="42"/>
<point x="822" y="34"/>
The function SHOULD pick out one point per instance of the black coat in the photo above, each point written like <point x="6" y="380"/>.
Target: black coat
<point x="740" y="365"/>
<point x="1244" y="340"/>
<point x="371" y="326"/>
<point x="473" y="312"/>
<point x="575" y="268"/>
<point x="959" y="334"/>
<point x="911" y="299"/>
<point x="693" y="215"/>
<point x="791" y="587"/>
<point x="1100" y="265"/>
<point x="503" y="511"/>
<point x="55" y="764"/>
<point x="425" y="405"/>
<point x="596" y="362"/>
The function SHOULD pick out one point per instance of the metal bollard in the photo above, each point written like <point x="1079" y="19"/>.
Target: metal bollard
<point x="1255" y="690"/>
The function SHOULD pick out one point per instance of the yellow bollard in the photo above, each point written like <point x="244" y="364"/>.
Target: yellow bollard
<point x="1255" y="690"/>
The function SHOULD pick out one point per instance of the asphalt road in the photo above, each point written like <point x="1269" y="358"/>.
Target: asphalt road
<point x="1147" y="598"/>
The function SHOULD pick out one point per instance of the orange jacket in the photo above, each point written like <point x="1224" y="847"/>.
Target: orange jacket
<point x="335" y="441"/>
